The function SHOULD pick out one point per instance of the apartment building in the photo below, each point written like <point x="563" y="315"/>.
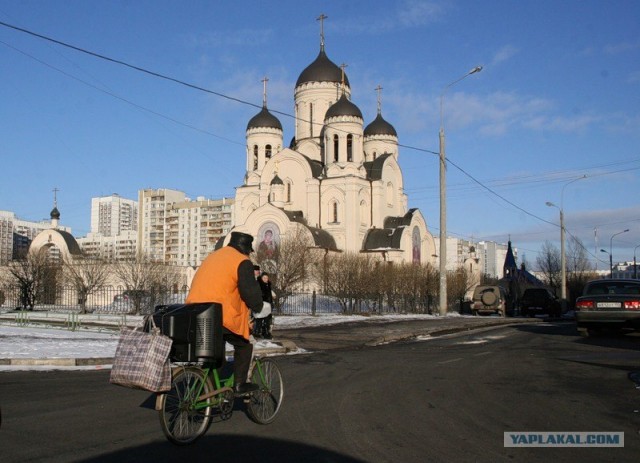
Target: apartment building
<point x="113" y="248"/>
<point x="113" y="215"/>
<point x="177" y="230"/>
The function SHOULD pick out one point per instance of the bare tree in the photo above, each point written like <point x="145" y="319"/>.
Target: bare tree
<point x="31" y="272"/>
<point x="579" y="268"/>
<point x="296" y="258"/>
<point x="549" y="264"/>
<point x="144" y="280"/>
<point x="342" y="278"/>
<point x="86" y="275"/>
<point x="459" y="282"/>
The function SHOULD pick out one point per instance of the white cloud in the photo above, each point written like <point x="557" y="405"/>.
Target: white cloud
<point x="419" y="12"/>
<point x="504" y="54"/>
<point x="622" y="47"/>
<point x="634" y="77"/>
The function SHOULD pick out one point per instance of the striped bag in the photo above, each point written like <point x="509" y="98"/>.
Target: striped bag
<point x="142" y="359"/>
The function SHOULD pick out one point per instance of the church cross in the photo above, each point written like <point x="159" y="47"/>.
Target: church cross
<point x="321" y="18"/>
<point x="264" y="91"/>
<point x="55" y="197"/>
<point x="342" y="66"/>
<point x="378" y="90"/>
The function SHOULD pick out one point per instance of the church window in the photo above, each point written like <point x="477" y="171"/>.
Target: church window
<point x="311" y="119"/>
<point x="336" y="148"/>
<point x="349" y="148"/>
<point x="375" y="155"/>
<point x="267" y="152"/>
<point x="255" y="157"/>
<point x="288" y="191"/>
<point x="334" y="211"/>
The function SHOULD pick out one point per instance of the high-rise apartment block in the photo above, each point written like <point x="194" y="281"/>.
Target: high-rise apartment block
<point x="177" y="230"/>
<point x="112" y="215"/>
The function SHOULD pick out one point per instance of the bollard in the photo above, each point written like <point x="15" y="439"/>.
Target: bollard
<point x="73" y="321"/>
<point x="22" y="318"/>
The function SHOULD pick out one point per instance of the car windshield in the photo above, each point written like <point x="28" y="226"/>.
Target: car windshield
<point x="613" y="288"/>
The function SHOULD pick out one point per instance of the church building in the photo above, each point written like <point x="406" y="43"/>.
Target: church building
<point x="338" y="180"/>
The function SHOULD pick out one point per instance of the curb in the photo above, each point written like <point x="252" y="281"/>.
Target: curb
<point x="287" y="346"/>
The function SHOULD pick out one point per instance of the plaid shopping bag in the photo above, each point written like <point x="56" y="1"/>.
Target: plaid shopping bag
<point x="142" y="360"/>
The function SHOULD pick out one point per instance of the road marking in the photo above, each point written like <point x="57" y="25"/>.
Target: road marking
<point x="450" y="361"/>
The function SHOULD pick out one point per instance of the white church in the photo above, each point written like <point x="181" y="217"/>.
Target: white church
<point x="338" y="180"/>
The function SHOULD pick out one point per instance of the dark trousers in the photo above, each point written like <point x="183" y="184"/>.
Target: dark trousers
<point x="242" y="351"/>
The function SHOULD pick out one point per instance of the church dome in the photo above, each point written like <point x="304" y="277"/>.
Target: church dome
<point x="343" y="107"/>
<point x="322" y="70"/>
<point x="277" y="180"/>
<point x="380" y="127"/>
<point x="55" y="213"/>
<point x="264" y="119"/>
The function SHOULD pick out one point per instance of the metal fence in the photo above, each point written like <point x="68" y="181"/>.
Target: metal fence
<point x="117" y="300"/>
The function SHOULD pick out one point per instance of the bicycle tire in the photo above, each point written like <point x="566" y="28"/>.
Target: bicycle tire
<point x="181" y="424"/>
<point x="265" y="403"/>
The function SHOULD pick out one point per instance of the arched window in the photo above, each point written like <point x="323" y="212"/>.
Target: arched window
<point x="311" y="119"/>
<point x="336" y="148"/>
<point x="349" y="148"/>
<point x="288" y="192"/>
<point x="335" y="212"/>
<point x="374" y="155"/>
<point x="255" y="157"/>
<point x="267" y="152"/>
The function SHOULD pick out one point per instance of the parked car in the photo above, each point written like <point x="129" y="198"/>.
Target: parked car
<point x="491" y="300"/>
<point x="540" y="301"/>
<point x="608" y="304"/>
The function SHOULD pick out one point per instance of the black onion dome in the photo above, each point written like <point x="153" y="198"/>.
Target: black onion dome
<point x="277" y="180"/>
<point x="343" y="107"/>
<point x="322" y="70"/>
<point x="264" y="119"/>
<point x="380" y="127"/>
<point x="55" y="213"/>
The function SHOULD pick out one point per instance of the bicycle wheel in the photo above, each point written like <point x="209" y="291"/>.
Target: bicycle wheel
<point x="180" y="421"/>
<point x="264" y="404"/>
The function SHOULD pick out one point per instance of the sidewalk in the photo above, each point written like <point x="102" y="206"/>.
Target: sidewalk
<point x="25" y="346"/>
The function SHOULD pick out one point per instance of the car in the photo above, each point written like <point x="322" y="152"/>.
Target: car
<point x="490" y="300"/>
<point x="540" y="301"/>
<point x="608" y="304"/>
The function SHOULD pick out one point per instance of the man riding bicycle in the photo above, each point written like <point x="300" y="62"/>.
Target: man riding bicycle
<point x="226" y="276"/>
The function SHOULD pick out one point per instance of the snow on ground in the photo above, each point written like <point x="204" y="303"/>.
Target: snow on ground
<point x="35" y="342"/>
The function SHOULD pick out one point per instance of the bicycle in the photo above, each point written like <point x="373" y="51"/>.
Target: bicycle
<point x="197" y="392"/>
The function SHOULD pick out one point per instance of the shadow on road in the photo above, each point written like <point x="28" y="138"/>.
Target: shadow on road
<point x="226" y="447"/>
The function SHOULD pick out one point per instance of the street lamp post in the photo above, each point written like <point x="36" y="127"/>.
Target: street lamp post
<point x="635" y="266"/>
<point x="563" y="254"/>
<point x="611" y="251"/>
<point x="443" y="199"/>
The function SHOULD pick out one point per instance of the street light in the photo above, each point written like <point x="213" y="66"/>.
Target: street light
<point x="563" y="254"/>
<point x="635" y="267"/>
<point x="611" y="251"/>
<point x="443" y="199"/>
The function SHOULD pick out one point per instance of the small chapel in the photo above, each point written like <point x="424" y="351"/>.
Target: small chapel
<point x="338" y="179"/>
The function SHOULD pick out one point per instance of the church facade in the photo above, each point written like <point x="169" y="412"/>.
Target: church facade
<point x="338" y="181"/>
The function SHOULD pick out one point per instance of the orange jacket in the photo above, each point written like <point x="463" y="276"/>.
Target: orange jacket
<point x="217" y="281"/>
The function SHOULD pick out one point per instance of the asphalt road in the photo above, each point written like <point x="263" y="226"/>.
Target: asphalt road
<point x="447" y="399"/>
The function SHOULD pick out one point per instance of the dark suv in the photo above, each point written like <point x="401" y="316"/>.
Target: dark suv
<point x="540" y="301"/>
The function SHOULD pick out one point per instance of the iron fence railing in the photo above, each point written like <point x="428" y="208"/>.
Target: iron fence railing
<point x="118" y="300"/>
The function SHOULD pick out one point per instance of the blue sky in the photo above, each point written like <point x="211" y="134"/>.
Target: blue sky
<point x="558" y="98"/>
